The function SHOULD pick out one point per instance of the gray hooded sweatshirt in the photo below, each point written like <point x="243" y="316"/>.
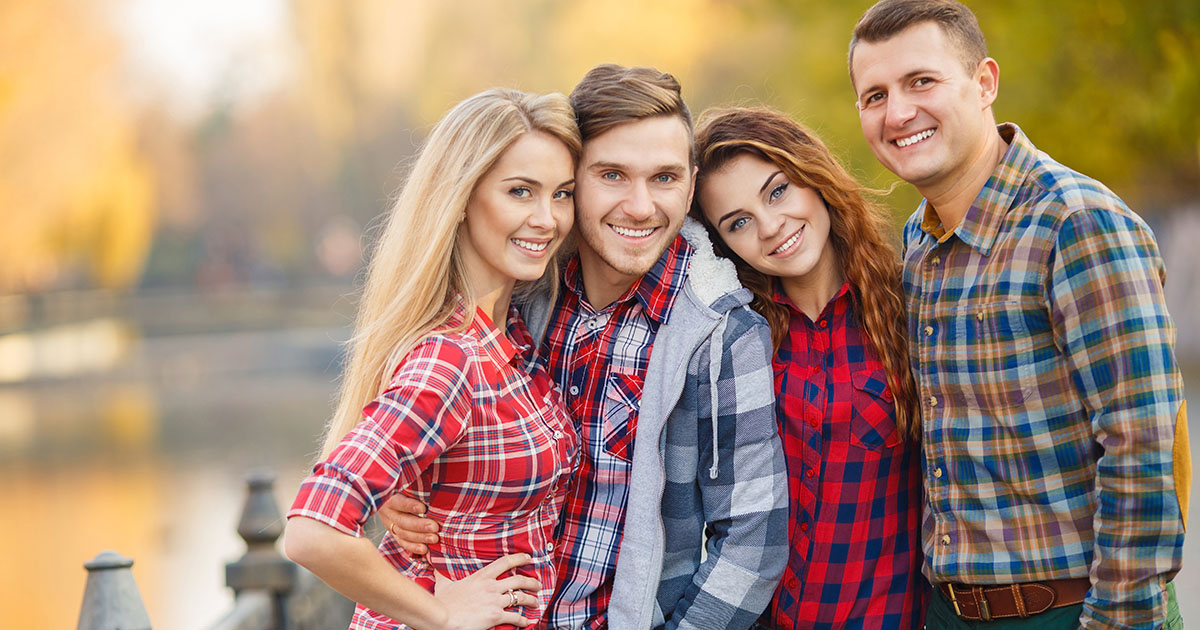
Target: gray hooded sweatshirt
<point x="705" y="536"/>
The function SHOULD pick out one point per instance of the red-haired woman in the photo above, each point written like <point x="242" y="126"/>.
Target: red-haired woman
<point x="824" y="272"/>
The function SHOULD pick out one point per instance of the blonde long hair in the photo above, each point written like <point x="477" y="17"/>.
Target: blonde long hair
<point x="416" y="270"/>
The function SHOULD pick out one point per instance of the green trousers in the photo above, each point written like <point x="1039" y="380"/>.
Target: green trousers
<point x="940" y="616"/>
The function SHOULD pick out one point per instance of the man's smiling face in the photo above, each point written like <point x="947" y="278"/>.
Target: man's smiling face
<point x="633" y="188"/>
<point x="922" y="112"/>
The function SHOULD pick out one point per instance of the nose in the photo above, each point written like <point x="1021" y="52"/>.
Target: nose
<point x="542" y="217"/>
<point x="769" y="225"/>
<point x="900" y="109"/>
<point x="639" y="206"/>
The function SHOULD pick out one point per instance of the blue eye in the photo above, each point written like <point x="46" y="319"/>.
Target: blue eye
<point x="520" y="192"/>
<point x="738" y="224"/>
<point x="564" y="194"/>
<point x="778" y="191"/>
<point x="664" y="178"/>
<point x="611" y="176"/>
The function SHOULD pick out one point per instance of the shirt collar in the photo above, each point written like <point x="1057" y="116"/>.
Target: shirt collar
<point x="656" y="291"/>
<point x="980" y="226"/>
<point x="836" y="305"/>
<point x="502" y="347"/>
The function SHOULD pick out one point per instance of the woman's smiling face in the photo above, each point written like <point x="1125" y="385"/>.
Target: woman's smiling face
<point x="777" y="227"/>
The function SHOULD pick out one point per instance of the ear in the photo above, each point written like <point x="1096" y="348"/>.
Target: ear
<point x="988" y="76"/>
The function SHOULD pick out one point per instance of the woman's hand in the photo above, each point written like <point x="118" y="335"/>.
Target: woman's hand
<point x="404" y="518"/>
<point x="484" y="599"/>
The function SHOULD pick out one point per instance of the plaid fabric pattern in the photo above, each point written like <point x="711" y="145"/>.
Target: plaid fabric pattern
<point x="599" y="361"/>
<point x="740" y="513"/>
<point x="1044" y="358"/>
<point x="853" y="484"/>
<point x="476" y="432"/>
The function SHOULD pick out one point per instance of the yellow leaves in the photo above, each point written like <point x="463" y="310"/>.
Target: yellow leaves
<point x="74" y="194"/>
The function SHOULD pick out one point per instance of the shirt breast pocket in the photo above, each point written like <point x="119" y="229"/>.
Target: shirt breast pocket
<point x="622" y="398"/>
<point x="872" y="411"/>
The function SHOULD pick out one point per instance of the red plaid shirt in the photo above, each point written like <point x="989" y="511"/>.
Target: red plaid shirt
<point x="475" y="430"/>
<point x="854" y="485"/>
<point x="599" y="359"/>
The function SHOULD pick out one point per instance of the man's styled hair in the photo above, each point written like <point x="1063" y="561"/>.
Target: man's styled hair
<point x="609" y="95"/>
<point x="888" y="17"/>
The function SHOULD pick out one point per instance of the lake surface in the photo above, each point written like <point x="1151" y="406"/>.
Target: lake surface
<point x="150" y="462"/>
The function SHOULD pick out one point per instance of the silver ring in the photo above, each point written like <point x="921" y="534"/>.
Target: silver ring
<point x="512" y="596"/>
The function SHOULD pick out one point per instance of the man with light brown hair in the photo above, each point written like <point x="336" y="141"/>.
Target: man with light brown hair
<point x="667" y="372"/>
<point x="1055" y="431"/>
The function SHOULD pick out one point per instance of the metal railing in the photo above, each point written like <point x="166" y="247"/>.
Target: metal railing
<point x="270" y="591"/>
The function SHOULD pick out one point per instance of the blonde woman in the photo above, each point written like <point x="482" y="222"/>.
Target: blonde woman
<point x="442" y="397"/>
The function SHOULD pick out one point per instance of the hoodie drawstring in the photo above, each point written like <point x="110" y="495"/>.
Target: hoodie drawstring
<point x="716" y="345"/>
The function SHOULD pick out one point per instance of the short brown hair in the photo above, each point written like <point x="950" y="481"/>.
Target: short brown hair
<point x="609" y="95"/>
<point x="888" y="17"/>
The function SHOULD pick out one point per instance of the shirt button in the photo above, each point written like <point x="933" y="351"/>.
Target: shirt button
<point x="809" y="473"/>
<point x="934" y="261"/>
<point x="792" y="582"/>
<point x="928" y="331"/>
<point x="945" y="539"/>
<point x="550" y="546"/>
<point x="933" y="401"/>
<point x="803" y="527"/>
<point x="824" y="323"/>
<point x="814" y="369"/>
<point x="558" y="435"/>
<point x="574" y="390"/>
<point x="979" y="316"/>
<point x="937" y="472"/>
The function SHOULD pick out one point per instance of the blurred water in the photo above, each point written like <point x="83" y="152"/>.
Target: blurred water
<point x="152" y="466"/>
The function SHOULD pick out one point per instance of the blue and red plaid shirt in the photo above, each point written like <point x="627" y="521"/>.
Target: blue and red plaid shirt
<point x="599" y="359"/>
<point x="854" y="485"/>
<point x="475" y="430"/>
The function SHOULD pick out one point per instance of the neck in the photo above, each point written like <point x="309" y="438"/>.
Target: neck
<point x="952" y="200"/>
<point x="495" y="302"/>
<point x="602" y="284"/>
<point x="812" y="292"/>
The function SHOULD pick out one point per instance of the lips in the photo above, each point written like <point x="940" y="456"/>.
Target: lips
<point x="535" y="247"/>
<point x="790" y="243"/>
<point x="920" y="136"/>
<point x="631" y="232"/>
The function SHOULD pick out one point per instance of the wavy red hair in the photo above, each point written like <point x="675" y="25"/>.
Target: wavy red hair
<point x="859" y="233"/>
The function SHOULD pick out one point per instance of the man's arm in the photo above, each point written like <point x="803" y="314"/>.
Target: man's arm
<point x="1110" y="319"/>
<point x="744" y="483"/>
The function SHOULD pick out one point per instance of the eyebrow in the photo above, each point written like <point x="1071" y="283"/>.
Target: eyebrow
<point x="522" y="178"/>
<point x="770" y="178"/>
<point x="615" y="166"/>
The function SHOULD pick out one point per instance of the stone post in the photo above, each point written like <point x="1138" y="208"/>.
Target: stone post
<point x="263" y="568"/>
<point x="111" y="600"/>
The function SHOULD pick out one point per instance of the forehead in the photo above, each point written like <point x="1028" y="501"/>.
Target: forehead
<point x="649" y="142"/>
<point x="920" y="47"/>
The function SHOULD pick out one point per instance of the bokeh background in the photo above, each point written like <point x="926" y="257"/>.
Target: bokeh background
<point x="188" y="189"/>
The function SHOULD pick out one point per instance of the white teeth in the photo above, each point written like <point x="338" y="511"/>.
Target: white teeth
<point x="535" y="247"/>
<point x="788" y="243"/>
<point x="632" y="233"/>
<point x="915" y="138"/>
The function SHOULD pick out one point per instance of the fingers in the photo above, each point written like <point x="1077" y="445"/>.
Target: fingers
<point x="503" y="565"/>
<point x="399" y="515"/>
<point x="522" y="599"/>
<point x="519" y="583"/>
<point x="406" y="504"/>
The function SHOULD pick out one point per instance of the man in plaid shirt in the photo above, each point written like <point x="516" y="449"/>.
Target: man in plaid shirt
<point x="1055" y="431"/>
<point x="667" y="373"/>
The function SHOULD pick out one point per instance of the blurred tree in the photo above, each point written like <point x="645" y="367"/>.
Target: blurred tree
<point x="75" y="193"/>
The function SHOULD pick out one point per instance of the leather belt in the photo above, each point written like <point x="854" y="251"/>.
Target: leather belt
<point x="1000" y="601"/>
